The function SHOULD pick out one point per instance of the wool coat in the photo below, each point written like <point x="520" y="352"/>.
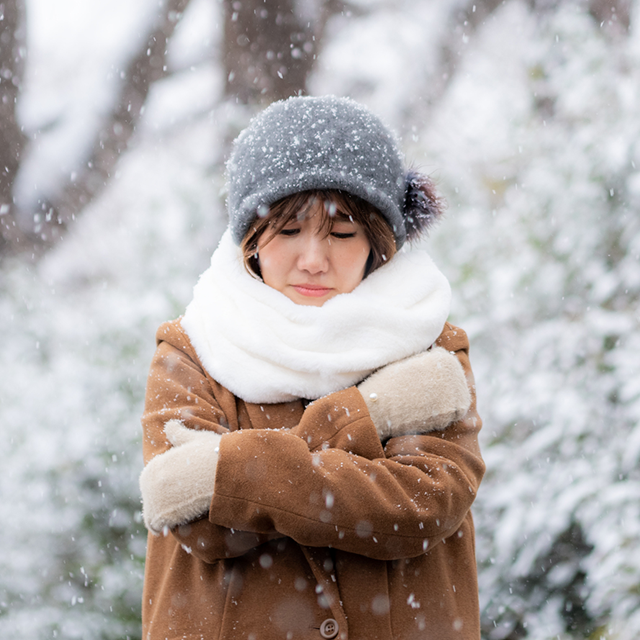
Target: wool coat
<point x="316" y="529"/>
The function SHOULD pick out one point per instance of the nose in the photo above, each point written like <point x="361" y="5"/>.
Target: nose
<point x="313" y="257"/>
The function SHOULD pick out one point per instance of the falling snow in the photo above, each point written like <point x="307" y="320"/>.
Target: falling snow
<point x="533" y="142"/>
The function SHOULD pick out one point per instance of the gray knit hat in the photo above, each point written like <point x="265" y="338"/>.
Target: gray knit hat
<point x="306" y="143"/>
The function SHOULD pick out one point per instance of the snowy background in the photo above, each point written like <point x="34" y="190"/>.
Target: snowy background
<point x="535" y="143"/>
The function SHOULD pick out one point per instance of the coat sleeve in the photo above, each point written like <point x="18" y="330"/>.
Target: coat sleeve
<point x="177" y="388"/>
<point x="329" y="482"/>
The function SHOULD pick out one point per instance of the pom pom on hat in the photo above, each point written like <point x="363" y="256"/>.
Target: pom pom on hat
<point x="422" y="205"/>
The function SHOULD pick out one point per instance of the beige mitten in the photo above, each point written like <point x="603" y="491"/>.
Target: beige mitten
<point x="426" y="392"/>
<point x="177" y="485"/>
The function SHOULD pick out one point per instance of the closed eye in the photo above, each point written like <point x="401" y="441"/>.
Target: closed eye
<point x="289" y="232"/>
<point x="339" y="235"/>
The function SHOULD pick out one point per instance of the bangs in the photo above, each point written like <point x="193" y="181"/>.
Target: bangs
<point x="336" y="206"/>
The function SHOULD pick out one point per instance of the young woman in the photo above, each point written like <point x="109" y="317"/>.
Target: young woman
<point x="310" y="432"/>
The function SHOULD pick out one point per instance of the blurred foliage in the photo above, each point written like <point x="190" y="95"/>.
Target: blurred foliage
<point x="534" y="134"/>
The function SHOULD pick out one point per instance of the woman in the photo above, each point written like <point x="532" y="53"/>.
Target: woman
<point x="309" y="435"/>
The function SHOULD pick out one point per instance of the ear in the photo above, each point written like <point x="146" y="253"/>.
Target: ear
<point x="422" y="205"/>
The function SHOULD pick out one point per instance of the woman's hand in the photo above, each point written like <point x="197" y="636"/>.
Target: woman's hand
<point x="177" y="485"/>
<point x="423" y="393"/>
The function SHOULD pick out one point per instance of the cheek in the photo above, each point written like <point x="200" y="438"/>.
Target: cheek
<point x="353" y="263"/>
<point x="363" y="253"/>
<point x="272" y="259"/>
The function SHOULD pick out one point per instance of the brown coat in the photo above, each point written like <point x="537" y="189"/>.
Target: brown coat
<point x="312" y="517"/>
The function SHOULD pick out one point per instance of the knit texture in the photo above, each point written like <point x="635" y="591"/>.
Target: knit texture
<point x="423" y="393"/>
<point x="306" y="143"/>
<point x="177" y="486"/>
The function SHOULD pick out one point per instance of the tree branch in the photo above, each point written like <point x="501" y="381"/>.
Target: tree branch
<point x="113" y="138"/>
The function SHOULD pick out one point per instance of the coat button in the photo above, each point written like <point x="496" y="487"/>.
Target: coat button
<point x="329" y="628"/>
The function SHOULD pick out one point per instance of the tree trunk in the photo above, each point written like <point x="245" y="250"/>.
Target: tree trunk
<point x="12" y="140"/>
<point x="613" y="15"/>
<point x="270" y="48"/>
<point x="464" y="23"/>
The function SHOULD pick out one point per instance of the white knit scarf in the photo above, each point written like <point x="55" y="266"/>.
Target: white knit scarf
<point x="265" y="348"/>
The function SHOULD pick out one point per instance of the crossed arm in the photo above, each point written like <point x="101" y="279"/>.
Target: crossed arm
<point x="328" y="481"/>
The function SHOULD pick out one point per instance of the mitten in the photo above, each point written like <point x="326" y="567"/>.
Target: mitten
<point x="423" y="393"/>
<point x="177" y="485"/>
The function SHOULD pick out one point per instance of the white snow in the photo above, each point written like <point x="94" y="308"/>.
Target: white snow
<point x="534" y="143"/>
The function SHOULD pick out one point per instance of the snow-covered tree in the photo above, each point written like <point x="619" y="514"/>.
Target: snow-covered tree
<point x="526" y="113"/>
<point x="539" y="147"/>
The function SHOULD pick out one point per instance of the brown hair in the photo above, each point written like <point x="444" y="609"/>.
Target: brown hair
<point x="281" y="213"/>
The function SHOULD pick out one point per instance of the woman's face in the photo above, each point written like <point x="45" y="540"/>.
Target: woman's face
<point x="309" y="266"/>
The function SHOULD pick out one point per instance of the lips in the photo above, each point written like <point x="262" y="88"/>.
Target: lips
<point x="312" y="290"/>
